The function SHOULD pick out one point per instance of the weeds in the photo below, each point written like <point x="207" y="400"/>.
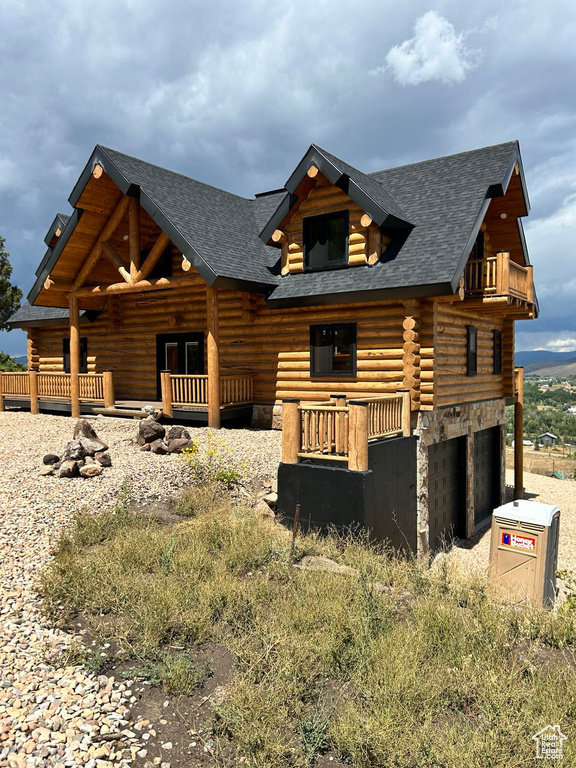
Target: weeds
<point x="441" y="682"/>
<point x="216" y="463"/>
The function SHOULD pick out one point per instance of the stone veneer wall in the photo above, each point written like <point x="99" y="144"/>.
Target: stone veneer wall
<point x="447" y="423"/>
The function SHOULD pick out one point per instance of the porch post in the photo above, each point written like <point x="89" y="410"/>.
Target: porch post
<point x="74" y="357"/>
<point x="213" y="357"/>
<point x="1" y="392"/>
<point x="519" y="433"/>
<point x="109" y="399"/>
<point x="166" y="388"/>
<point x="33" y="376"/>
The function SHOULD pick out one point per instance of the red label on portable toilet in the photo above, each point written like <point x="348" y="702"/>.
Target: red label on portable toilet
<point x="518" y="541"/>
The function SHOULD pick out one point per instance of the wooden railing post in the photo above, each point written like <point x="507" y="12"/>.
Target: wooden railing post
<point x="519" y="433"/>
<point x="108" y="384"/>
<point x="406" y="410"/>
<point x="1" y="392"/>
<point x="291" y="431"/>
<point x="503" y="273"/>
<point x="166" y="387"/>
<point x="33" y="391"/>
<point x="530" y="284"/>
<point x="358" y="439"/>
<point x="213" y="357"/>
<point x="74" y="357"/>
<point x="338" y="399"/>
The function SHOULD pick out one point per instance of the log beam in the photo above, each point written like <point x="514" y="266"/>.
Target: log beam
<point x="74" y="357"/>
<point x="109" y="229"/>
<point x="213" y="357"/>
<point x="134" y="236"/>
<point x="114" y="257"/>
<point x="160" y="283"/>
<point x="153" y="257"/>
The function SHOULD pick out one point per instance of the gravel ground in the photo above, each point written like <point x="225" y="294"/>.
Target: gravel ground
<point x="66" y="717"/>
<point x="475" y="552"/>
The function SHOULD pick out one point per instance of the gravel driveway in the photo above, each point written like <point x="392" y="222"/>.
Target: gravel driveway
<point x="55" y="717"/>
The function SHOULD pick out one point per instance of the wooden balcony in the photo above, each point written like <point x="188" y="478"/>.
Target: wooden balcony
<point x="498" y="280"/>
<point x="340" y="430"/>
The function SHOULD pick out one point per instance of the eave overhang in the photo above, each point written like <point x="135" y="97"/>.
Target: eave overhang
<point x="87" y="316"/>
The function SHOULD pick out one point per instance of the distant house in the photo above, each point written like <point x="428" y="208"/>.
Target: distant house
<point x="572" y="409"/>
<point x="547" y="439"/>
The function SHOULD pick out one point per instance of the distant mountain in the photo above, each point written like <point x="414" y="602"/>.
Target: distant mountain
<point x="22" y="359"/>
<point x="541" y="362"/>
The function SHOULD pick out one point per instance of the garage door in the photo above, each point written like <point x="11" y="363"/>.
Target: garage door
<point x="446" y="491"/>
<point x="486" y="472"/>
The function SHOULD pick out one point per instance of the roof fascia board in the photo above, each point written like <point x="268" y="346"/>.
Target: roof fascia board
<point x="99" y="157"/>
<point x="469" y="244"/>
<point x="52" y="254"/>
<point x="234" y="284"/>
<point x="86" y="316"/>
<point x="379" y="294"/>
<point x="278" y="216"/>
<point x="57" y="223"/>
<point x="523" y="242"/>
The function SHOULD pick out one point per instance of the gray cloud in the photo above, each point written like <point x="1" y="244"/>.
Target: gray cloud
<point x="234" y="93"/>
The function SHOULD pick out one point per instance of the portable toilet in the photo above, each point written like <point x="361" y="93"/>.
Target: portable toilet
<point x="524" y="551"/>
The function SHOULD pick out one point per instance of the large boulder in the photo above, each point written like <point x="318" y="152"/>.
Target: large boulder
<point x="149" y="431"/>
<point x="92" y="446"/>
<point x="51" y="459"/>
<point x="178" y="444"/>
<point x="177" y="433"/>
<point x="74" y="451"/>
<point x="91" y="470"/>
<point x="159" y="446"/>
<point x="68" y="468"/>
<point x="103" y="458"/>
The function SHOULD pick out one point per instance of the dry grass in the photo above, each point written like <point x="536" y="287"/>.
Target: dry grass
<point x="323" y="661"/>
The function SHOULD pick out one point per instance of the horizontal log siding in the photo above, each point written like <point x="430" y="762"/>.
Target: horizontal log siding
<point x="273" y="345"/>
<point x="452" y="384"/>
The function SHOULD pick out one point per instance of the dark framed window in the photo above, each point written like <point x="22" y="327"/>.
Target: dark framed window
<point x="472" y="350"/>
<point x="333" y="350"/>
<point x="497" y="351"/>
<point x="326" y="240"/>
<point x="83" y="354"/>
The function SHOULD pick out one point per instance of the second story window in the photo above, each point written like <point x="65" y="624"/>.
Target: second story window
<point x="326" y="240"/>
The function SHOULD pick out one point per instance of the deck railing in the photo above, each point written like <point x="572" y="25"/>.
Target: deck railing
<point x="340" y="430"/>
<point x="498" y="276"/>
<point x="188" y="391"/>
<point x="35" y="386"/>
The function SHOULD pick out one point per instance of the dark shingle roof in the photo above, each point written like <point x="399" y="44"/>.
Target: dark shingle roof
<point x="445" y="199"/>
<point x="29" y="315"/>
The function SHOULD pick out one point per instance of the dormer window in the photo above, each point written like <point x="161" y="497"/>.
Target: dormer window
<point x="326" y="240"/>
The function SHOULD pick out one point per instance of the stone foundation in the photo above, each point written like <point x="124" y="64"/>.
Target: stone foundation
<point x="447" y="423"/>
<point x="266" y="416"/>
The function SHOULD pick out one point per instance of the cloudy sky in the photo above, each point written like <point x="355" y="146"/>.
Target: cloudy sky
<point x="233" y="94"/>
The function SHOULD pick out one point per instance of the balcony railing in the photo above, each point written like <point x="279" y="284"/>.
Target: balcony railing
<point x="340" y="430"/>
<point x="192" y="391"/>
<point x="498" y="276"/>
<point x="35" y="386"/>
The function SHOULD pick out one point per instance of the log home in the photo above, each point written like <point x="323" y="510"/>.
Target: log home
<point x="370" y="308"/>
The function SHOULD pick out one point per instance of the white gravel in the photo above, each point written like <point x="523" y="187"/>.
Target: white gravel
<point x="51" y="716"/>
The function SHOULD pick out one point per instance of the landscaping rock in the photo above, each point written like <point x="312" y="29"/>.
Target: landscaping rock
<point x="159" y="446"/>
<point x="92" y="446"/>
<point x="74" y="451"/>
<point x="145" y="447"/>
<point x="271" y="499"/>
<point x="51" y="458"/>
<point x="177" y="445"/>
<point x="149" y="431"/>
<point x="47" y="470"/>
<point x="263" y="509"/>
<point x="68" y="468"/>
<point x="176" y="433"/>
<point x="91" y="470"/>
<point x="103" y="458"/>
<point x="83" y="428"/>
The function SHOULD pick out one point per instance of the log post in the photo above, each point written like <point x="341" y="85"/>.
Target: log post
<point x="108" y="381"/>
<point x="406" y="409"/>
<point x="1" y="392"/>
<point x="358" y="438"/>
<point x="74" y="357"/>
<point x="290" y="430"/>
<point x="33" y="391"/>
<point x="337" y="399"/>
<point x="213" y="357"/>
<point x="519" y="434"/>
<point x="166" y="387"/>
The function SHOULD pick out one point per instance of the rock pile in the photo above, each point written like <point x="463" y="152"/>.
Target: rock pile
<point x="152" y="436"/>
<point x="85" y="456"/>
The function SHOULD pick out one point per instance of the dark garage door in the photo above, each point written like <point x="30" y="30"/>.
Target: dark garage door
<point x="446" y="490"/>
<point x="486" y="472"/>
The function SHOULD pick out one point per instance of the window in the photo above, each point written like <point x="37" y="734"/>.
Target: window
<point x="333" y="350"/>
<point x="326" y="240"/>
<point x="497" y="351"/>
<point x="472" y="350"/>
<point x="83" y="354"/>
